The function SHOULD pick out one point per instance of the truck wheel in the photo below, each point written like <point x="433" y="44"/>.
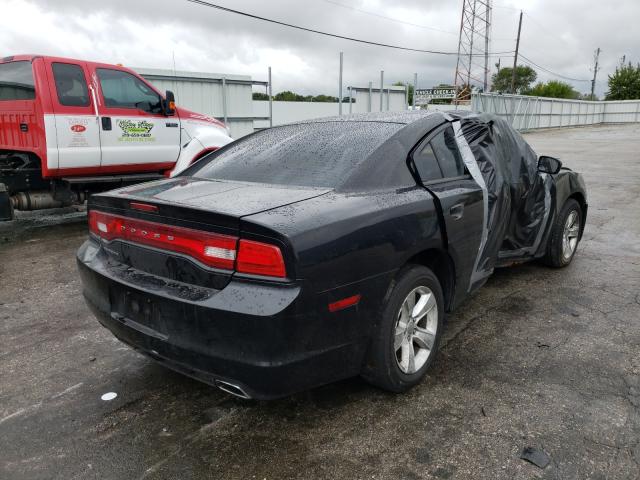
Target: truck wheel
<point x="565" y="235"/>
<point x="6" y="208"/>
<point x="408" y="334"/>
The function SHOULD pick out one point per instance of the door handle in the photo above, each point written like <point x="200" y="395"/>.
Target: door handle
<point x="106" y="123"/>
<point x="457" y="211"/>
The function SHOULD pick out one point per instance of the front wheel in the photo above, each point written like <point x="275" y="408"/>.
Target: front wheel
<point x="565" y="235"/>
<point x="408" y="333"/>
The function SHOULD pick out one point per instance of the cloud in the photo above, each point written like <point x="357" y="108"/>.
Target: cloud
<point x="558" y="35"/>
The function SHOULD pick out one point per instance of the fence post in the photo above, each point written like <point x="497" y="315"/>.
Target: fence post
<point x="350" y="99"/>
<point x="224" y="99"/>
<point x="415" y="87"/>
<point x="270" y="101"/>
<point x="369" y="104"/>
<point x="340" y="88"/>
<point x="406" y="97"/>
<point x="381" y="87"/>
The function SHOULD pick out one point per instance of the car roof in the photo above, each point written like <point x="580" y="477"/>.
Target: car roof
<point x="403" y="117"/>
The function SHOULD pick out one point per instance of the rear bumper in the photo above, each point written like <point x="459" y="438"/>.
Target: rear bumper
<point x="269" y="341"/>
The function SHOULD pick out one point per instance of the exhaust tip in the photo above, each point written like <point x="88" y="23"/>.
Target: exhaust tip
<point x="232" y="389"/>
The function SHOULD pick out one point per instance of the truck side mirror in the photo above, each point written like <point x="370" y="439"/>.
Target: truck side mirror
<point x="169" y="104"/>
<point x="549" y="165"/>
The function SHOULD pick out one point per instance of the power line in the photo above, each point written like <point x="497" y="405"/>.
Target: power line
<point x="319" y="32"/>
<point x="534" y="64"/>
<point x="373" y="14"/>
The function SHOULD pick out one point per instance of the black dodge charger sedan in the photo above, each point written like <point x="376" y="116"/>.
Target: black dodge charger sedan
<point x="312" y="252"/>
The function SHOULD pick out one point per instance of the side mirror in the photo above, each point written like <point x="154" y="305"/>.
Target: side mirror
<point x="169" y="104"/>
<point x="549" y="165"/>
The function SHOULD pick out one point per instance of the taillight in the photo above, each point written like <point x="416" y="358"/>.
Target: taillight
<point x="212" y="249"/>
<point x="260" y="259"/>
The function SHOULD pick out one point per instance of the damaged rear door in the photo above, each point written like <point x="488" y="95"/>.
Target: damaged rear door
<point x="460" y="198"/>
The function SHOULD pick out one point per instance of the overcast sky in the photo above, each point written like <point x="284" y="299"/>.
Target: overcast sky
<point x="558" y="35"/>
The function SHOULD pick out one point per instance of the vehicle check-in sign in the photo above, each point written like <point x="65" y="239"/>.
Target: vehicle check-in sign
<point x="424" y="95"/>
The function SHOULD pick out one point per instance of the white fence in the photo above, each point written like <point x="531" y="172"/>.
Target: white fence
<point x="529" y="113"/>
<point x="393" y="99"/>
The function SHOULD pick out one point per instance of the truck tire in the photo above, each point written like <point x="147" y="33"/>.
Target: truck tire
<point x="6" y="208"/>
<point x="408" y="333"/>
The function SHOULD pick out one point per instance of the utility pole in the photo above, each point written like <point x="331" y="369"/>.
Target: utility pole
<point x="515" y="57"/>
<point x="595" y="73"/>
<point x="487" y="42"/>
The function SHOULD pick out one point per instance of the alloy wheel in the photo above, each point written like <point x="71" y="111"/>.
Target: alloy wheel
<point x="415" y="330"/>
<point x="570" y="235"/>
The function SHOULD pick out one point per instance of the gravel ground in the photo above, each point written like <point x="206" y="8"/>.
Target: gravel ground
<point x="540" y="358"/>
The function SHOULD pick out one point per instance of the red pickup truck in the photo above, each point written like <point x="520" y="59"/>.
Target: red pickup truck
<point x="71" y="127"/>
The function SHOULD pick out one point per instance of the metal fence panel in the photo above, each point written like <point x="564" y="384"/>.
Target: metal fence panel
<point x="223" y="96"/>
<point x="530" y="113"/>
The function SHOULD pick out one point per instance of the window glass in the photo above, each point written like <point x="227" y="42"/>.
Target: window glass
<point x="123" y="90"/>
<point x="446" y="148"/>
<point x="426" y="163"/>
<point x="319" y="154"/>
<point x="16" y="81"/>
<point x="70" y="85"/>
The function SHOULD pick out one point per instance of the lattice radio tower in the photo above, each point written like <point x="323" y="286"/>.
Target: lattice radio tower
<point x="473" y="48"/>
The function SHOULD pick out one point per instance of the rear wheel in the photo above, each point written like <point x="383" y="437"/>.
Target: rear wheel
<point x="407" y="337"/>
<point x="565" y="235"/>
<point x="6" y="208"/>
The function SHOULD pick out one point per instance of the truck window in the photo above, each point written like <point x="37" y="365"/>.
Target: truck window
<point x="16" y="81"/>
<point x="123" y="90"/>
<point x="70" y="85"/>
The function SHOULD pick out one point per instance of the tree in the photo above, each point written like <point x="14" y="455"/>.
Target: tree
<point x="501" y="80"/>
<point x="553" y="89"/>
<point x="260" y="96"/>
<point x="288" y="96"/>
<point x="325" y="98"/>
<point x="624" y="84"/>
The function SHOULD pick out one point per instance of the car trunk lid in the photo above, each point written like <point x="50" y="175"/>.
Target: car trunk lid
<point x="183" y="229"/>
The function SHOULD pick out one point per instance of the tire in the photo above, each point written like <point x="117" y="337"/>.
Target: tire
<point x="561" y="249"/>
<point x="6" y="208"/>
<point x="390" y="368"/>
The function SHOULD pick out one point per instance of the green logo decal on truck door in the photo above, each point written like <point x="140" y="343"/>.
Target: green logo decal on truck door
<point x="136" y="131"/>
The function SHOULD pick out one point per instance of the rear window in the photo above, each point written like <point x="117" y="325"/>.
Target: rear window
<point x="313" y="155"/>
<point x="16" y="81"/>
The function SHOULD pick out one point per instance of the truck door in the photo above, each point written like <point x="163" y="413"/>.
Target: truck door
<point x="134" y="133"/>
<point x="442" y="170"/>
<point x="75" y="118"/>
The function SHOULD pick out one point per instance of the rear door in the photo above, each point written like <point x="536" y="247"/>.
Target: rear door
<point x="75" y="117"/>
<point x="134" y="132"/>
<point x="442" y="170"/>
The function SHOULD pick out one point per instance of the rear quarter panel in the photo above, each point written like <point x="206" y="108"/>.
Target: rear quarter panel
<point x="349" y="242"/>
